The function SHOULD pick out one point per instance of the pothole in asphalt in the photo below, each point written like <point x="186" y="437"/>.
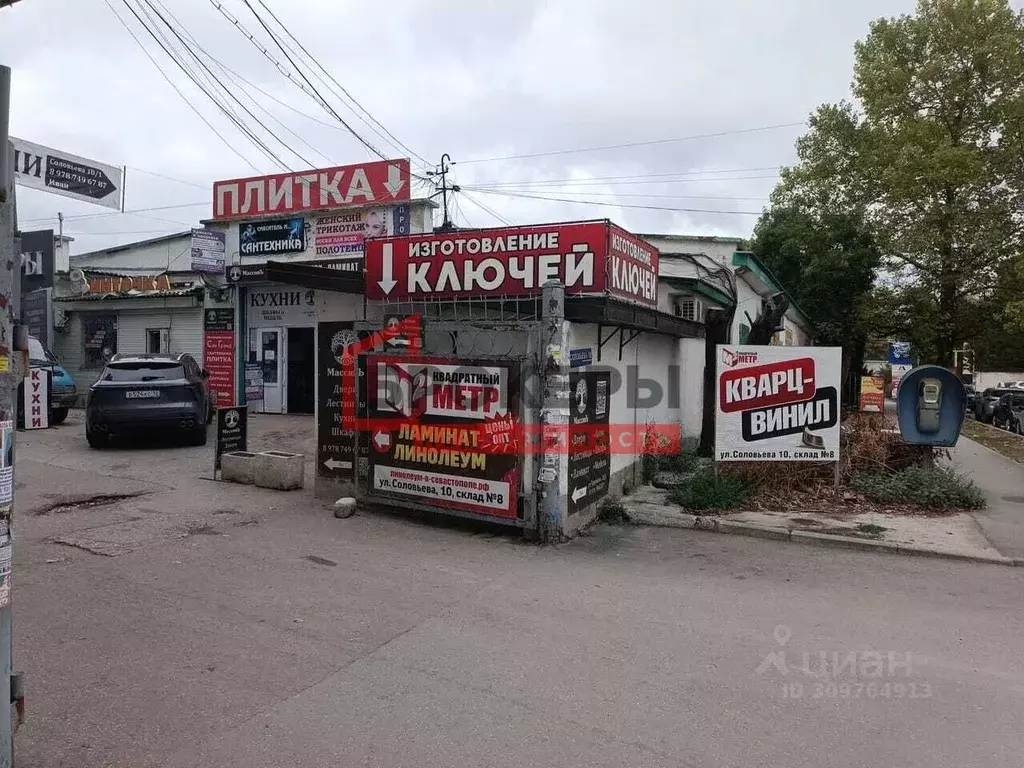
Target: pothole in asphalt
<point x="319" y="560"/>
<point x="226" y="512"/>
<point x="200" y="529"/>
<point x="78" y="503"/>
<point x="1014" y="499"/>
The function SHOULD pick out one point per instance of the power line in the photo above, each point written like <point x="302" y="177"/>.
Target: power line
<point x="559" y="182"/>
<point x="323" y="101"/>
<point x="230" y="93"/>
<point x="616" y="205"/>
<point x="638" y="194"/>
<point x="230" y="73"/>
<point x="597" y="183"/>
<point x="169" y="178"/>
<point x="485" y="208"/>
<point x="80" y="217"/>
<point x="195" y="80"/>
<point x="177" y="90"/>
<point x="351" y="98"/>
<point x="631" y="144"/>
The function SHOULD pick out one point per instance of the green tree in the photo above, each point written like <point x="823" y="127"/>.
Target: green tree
<point x="826" y="263"/>
<point x="930" y="156"/>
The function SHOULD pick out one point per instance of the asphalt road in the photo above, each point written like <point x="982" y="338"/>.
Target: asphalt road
<point x="243" y="628"/>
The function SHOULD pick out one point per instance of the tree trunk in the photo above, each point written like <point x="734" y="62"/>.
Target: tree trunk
<point x="717" y="327"/>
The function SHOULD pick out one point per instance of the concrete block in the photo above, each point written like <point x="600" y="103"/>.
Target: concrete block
<point x="705" y="523"/>
<point x="345" y="507"/>
<point x="238" y="467"/>
<point x="279" y="471"/>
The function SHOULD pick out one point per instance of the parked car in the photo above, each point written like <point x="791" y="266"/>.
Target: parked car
<point x="972" y="398"/>
<point x="62" y="386"/>
<point x="986" y="403"/>
<point x="1009" y="412"/>
<point x="159" y="395"/>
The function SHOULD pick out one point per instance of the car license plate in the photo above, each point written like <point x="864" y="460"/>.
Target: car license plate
<point x="141" y="394"/>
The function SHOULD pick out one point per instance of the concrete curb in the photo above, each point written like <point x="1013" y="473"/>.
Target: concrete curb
<point x="716" y="525"/>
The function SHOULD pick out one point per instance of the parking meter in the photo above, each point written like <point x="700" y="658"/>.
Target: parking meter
<point x="930" y="406"/>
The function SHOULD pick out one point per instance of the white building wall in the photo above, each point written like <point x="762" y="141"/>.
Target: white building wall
<point x="646" y="358"/>
<point x="184" y="327"/>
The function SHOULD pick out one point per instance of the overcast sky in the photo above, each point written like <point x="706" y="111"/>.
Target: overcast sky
<point x="479" y="79"/>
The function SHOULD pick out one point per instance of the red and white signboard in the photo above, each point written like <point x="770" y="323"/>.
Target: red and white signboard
<point x="778" y="403"/>
<point x="488" y="262"/>
<point x="632" y="268"/>
<point x="382" y="182"/>
<point x="37" y="400"/>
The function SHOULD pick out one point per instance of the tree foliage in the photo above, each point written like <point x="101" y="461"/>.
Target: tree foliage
<point x="930" y="157"/>
<point x="827" y="263"/>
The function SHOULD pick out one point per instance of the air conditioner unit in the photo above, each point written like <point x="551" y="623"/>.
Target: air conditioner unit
<point x="689" y="308"/>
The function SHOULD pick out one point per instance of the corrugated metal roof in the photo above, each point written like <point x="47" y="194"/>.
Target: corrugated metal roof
<point x="133" y="295"/>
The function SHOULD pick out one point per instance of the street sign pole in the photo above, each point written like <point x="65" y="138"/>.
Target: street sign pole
<point x="12" y="365"/>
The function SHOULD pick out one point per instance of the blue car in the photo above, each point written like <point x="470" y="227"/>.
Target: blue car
<point x="63" y="391"/>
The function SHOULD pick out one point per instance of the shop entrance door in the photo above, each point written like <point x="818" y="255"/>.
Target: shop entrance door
<point x="299" y="374"/>
<point x="266" y="350"/>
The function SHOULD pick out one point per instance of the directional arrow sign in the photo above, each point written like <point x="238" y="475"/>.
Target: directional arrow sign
<point x="50" y="170"/>
<point x="382" y="440"/>
<point x="387" y="280"/>
<point x="395" y="181"/>
<point x="335" y="464"/>
<point x="578" y="494"/>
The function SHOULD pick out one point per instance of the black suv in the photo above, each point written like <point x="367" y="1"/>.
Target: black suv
<point x="1009" y="412"/>
<point x="151" y="394"/>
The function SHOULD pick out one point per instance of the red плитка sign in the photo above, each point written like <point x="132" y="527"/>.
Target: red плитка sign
<point x="381" y="182"/>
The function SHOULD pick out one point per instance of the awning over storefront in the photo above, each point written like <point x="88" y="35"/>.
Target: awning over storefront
<point x="309" y="275"/>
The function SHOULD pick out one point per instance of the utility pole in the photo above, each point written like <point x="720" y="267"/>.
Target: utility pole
<point x="446" y="224"/>
<point x="12" y="371"/>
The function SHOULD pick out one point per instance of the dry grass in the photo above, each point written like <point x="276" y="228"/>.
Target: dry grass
<point x="870" y="443"/>
<point x="999" y="440"/>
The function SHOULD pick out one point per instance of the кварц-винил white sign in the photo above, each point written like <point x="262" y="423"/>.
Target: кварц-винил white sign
<point x="777" y="403"/>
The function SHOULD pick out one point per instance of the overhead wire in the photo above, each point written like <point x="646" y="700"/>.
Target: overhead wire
<point x="232" y="74"/>
<point x="177" y="90"/>
<point x="228" y="91"/>
<point x="630" y="177"/>
<point x="216" y="101"/>
<point x="615" y="205"/>
<point x="397" y="143"/>
<point x="323" y="102"/>
<point x="632" y="144"/>
<point x="484" y="207"/>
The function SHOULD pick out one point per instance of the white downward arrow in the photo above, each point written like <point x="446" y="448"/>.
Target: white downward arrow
<point x="387" y="280"/>
<point x="578" y="494"/>
<point x="395" y="181"/>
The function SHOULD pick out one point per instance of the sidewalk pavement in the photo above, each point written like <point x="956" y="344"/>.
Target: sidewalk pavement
<point x="1002" y="480"/>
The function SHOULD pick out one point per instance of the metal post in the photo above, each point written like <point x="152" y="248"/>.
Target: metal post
<point x="11" y="370"/>
<point x="552" y="476"/>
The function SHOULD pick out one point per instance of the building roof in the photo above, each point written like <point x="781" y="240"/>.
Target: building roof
<point x="128" y="246"/>
<point x="694" y="238"/>
<point x="173" y="293"/>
